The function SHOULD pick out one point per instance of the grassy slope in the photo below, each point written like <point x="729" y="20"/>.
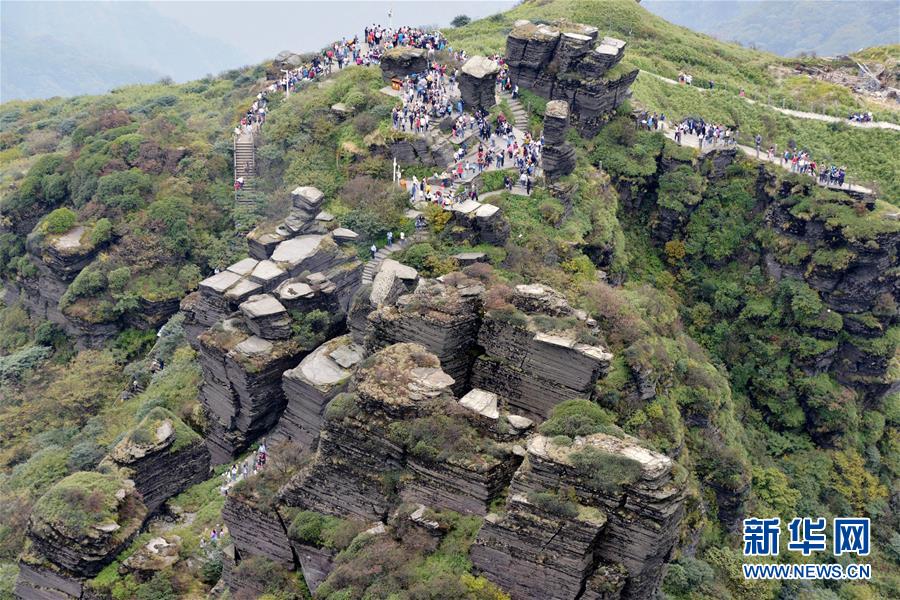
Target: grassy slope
<point x="660" y="47"/>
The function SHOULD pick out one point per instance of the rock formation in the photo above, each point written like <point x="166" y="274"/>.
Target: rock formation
<point x="558" y="158"/>
<point x="479" y="223"/>
<point x="163" y="457"/>
<point x="477" y="82"/>
<point x="403" y="60"/>
<point x="532" y="369"/>
<point x="400" y="416"/>
<point x="443" y="318"/>
<point x="564" y="62"/>
<point x="308" y="388"/>
<point x="75" y="529"/>
<point x="598" y="514"/>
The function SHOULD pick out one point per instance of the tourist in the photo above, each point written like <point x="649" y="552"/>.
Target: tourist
<point x="374" y="251"/>
<point x="390" y="238"/>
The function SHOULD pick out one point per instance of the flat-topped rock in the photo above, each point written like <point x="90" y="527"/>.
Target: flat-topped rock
<point x="253" y="346"/>
<point x="482" y="402"/>
<point x="292" y="290"/>
<point x="295" y="250"/>
<point x="465" y="259"/>
<point x="653" y="464"/>
<point x="219" y="282"/>
<point x="325" y="217"/>
<point x="266" y="271"/>
<point x="344" y="235"/>
<point x="610" y="45"/>
<point x="244" y="267"/>
<point x="70" y="240"/>
<point x="320" y="369"/>
<point x="242" y="290"/>
<point x="486" y="211"/>
<point x="558" y="109"/>
<point x="348" y="355"/>
<point x="466" y="206"/>
<point x="480" y="67"/>
<point x="519" y="422"/>
<point x="307" y="195"/>
<point x="262" y="305"/>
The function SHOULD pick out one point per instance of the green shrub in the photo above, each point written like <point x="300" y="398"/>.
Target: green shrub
<point x="118" y="279"/>
<point x="60" y="220"/>
<point x="324" y="531"/>
<point x="102" y="232"/>
<point x="604" y="471"/>
<point x="555" y="504"/>
<point x="578" y="417"/>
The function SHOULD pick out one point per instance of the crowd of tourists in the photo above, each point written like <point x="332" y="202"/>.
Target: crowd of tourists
<point x="707" y="133"/>
<point x="794" y="160"/>
<point x="861" y="117"/>
<point x="426" y="98"/>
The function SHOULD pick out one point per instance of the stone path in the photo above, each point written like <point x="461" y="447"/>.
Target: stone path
<point x="520" y="117"/>
<point x="794" y="113"/>
<point x="371" y="267"/>
<point x="245" y="166"/>
<point x="693" y="141"/>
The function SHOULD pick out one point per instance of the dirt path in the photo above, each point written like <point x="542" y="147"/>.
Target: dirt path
<point x="794" y="113"/>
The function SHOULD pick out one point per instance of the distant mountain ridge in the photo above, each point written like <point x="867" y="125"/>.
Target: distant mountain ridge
<point x="788" y="28"/>
<point x="44" y="53"/>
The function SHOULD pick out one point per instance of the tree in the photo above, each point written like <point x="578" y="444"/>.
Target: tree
<point x="460" y="21"/>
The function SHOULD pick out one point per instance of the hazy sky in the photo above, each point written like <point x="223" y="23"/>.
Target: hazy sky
<point x="262" y="29"/>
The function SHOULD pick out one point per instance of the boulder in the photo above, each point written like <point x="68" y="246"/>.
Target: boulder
<point x="266" y="317"/>
<point x="400" y="61"/>
<point x="477" y="82"/>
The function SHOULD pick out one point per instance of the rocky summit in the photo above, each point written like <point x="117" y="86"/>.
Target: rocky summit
<point x="561" y="303"/>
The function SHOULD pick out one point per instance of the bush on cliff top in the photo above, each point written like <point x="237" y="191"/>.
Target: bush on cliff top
<point x="86" y="500"/>
<point x="324" y="531"/>
<point x="60" y="220"/>
<point x="579" y="417"/>
<point x="605" y="471"/>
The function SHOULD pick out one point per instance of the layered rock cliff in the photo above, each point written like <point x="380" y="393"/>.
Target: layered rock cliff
<point x="563" y="61"/>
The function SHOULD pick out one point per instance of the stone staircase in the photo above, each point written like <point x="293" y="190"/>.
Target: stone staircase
<point x="371" y="267"/>
<point x="520" y="116"/>
<point x="245" y="166"/>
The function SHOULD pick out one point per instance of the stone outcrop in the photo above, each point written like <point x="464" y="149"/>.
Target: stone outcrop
<point x="76" y="528"/>
<point x="531" y="369"/>
<point x="266" y="317"/>
<point x="479" y="223"/>
<point x="308" y="388"/>
<point x="163" y="457"/>
<point x="242" y="384"/>
<point x="477" y="82"/>
<point x="402" y="61"/>
<point x="599" y="516"/>
<point x="57" y="260"/>
<point x="564" y="62"/>
<point x="257" y="529"/>
<point x="377" y="430"/>
<point x="851" y="271"/>
<point x="558" y="157"/>
<point x="443" y="318"/>
<point x="244" y="353"/>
